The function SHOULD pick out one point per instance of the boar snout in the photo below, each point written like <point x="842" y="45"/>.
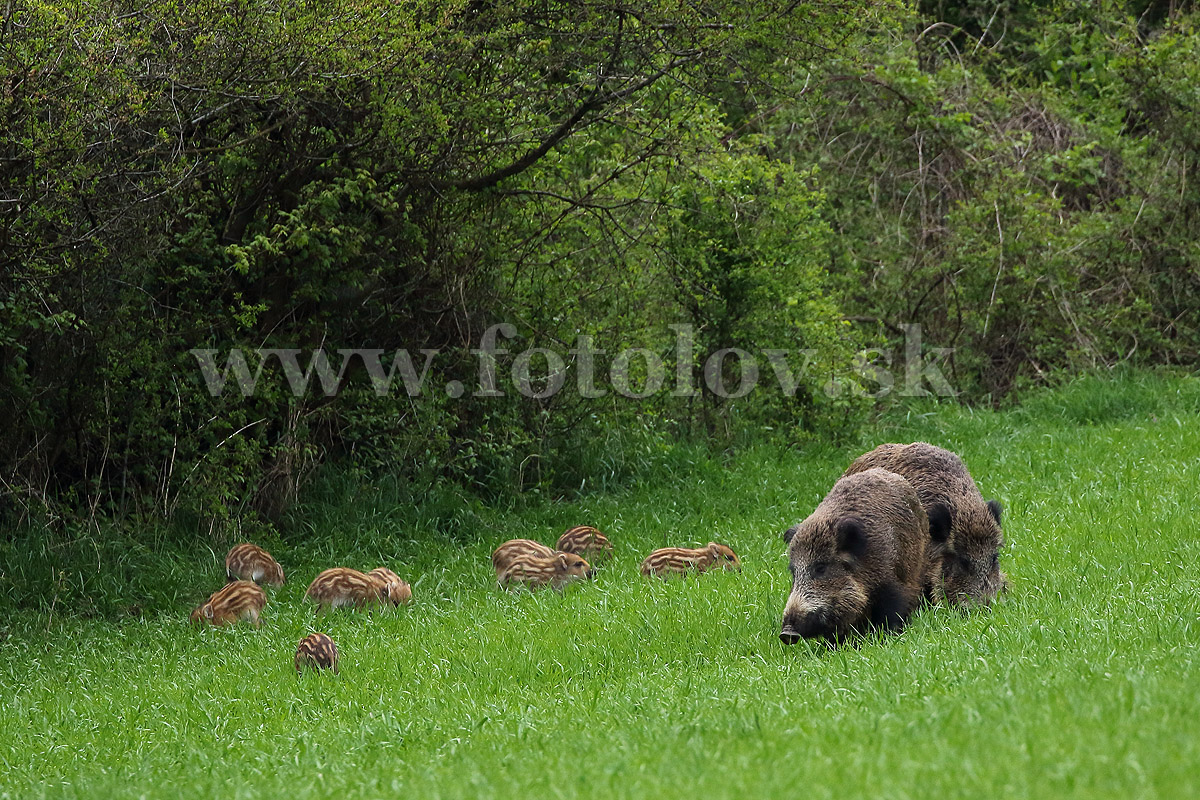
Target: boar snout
<point x="814" y="625"/>
<point x="808" y="624"/>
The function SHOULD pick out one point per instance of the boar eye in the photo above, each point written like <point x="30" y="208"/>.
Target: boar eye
<point x="819" y="569"/>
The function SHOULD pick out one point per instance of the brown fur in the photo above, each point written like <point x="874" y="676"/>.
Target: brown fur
<point x="858" y="561"/>
<point x="679" y="560"/>
<point x="586" y="541"/>
<point x="556" y="570"/>
<point x="340" y="587"/>
<point x="396" y="590"/>
<point x="965" y="531"/>
<point x="318" y="652"/>
<point x="504" y="555"/>
<point x="232" y="603"/>
<point x="249" y="562"/>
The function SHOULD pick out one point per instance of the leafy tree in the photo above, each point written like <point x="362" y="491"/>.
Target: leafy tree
<point x="284" y="174"/>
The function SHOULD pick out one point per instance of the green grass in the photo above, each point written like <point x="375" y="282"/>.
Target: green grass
<point x="1083" y="682"/>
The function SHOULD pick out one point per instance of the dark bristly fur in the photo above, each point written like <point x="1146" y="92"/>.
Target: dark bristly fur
<point x="859" y="560"/>
<point x="317" y="651"/>
<point x="964" y="529"/>
<point x="249" y="562"/>
<point x="232" y="603"/>
<point x="586" y="541"/>
<point x="680" y="560"/>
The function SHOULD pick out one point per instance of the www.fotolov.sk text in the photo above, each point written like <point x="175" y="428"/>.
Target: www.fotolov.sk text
<point x="635" y="372"/>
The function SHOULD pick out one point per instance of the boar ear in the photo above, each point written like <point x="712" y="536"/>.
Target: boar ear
<point x="994" y="507"/>
<point x="851" y="538"/>
<point x="208" y="610"/>
<point x="790" y="533"/>
<point x="939" y="523"/>
<point x="562" y="560"/>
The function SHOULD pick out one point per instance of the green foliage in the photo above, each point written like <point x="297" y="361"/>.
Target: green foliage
<point x="1016" y="182"/>
<point x="798" y="182"/>
<point x="350" y="175"/>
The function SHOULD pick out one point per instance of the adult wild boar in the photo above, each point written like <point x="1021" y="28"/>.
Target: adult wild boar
<point x="966" y="537"/>
<point x="858" y="561"/>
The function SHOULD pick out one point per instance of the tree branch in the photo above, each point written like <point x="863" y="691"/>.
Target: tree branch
<point x="592" y="103"/>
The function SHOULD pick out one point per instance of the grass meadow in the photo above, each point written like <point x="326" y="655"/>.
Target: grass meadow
<point x="1084" y="681"/>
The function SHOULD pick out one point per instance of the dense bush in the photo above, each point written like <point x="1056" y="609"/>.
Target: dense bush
<point x="263" y="174"/>
<point x="1017" y="181"/>
<point x="1016" y="178"/>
